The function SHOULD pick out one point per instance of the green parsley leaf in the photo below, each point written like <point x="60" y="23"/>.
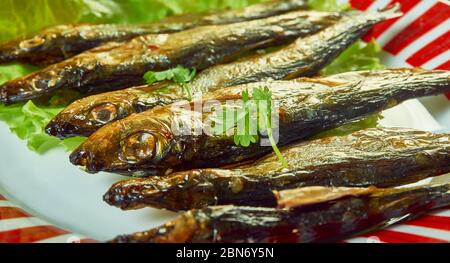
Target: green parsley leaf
<point x="179" y="75"/>
<point x="242" y="120"/>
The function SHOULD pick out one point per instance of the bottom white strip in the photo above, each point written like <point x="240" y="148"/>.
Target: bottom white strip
<point x="423" y="231"/>
<point x="16" y="223"/>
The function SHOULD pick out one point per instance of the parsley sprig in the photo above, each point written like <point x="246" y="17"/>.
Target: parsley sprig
<point x="179" y="75"/>
<point x="241" y="120"/>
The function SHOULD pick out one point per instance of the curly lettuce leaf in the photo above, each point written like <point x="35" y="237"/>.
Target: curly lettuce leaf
<point x="328" y="5"/>
<point x="359" y="56"/>
<point x="27" y="122"/>
<point x="20" y="17"/>
<point x="14" y="70"/>
<point x="369" y="122"/>
<point x="139" y="11"/>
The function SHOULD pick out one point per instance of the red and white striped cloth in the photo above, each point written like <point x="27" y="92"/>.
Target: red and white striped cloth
<point x="18" y="226"/>
<point x="421" y="38"/>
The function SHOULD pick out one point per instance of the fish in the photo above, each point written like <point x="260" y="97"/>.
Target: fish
<point x="60" y="42"/>
<point x="360" y="159"/>
<point x="121" y="65"/>
<point x="174" y="137"/>
<point x="305" y="57"/>
<point x="303" y="215"/>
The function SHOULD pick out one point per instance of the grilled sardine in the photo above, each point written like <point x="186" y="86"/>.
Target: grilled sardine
<point x="150" y="142"/>
<point x="310" y="214"/>
<point x="305" y="57"/>
<point x="379" y="157"/>
<point x="60" y="42"/>
<point x="119" y="65"/>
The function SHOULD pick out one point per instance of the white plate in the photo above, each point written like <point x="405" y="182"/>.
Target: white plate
<point x="51" y="188"/>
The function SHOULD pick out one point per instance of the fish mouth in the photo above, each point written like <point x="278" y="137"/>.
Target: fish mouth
<point x="83" y="158"/>
<point x="174" y="193"/>
<point x="93" y="164"/>
<point x="63" y="130"/>
<point x="129" y="197"/>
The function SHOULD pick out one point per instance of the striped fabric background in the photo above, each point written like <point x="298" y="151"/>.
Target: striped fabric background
<point x="17" y="226"/>
<point x="421" y="38"/>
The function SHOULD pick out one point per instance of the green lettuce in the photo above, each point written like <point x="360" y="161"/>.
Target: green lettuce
<point x="327" y="5"/>
<point x="369" y="122"/>
<point x="27" y="122"/>
<point x="359" y="56"/>
<point x="21" y="17"/>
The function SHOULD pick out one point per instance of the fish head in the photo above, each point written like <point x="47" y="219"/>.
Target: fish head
<point x="183" y="190"/>
<point x="186" y="228"/>
<point x="83" y="117"/>
<point x="137" y="145"/>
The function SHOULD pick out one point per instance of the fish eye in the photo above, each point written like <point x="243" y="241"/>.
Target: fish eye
<point x="143" y="146"/>
<point x="104" y="113"/>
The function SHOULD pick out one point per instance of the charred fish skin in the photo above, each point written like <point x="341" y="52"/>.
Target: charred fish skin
<point x="60" y="42"/>
<point x="57" y="43"/>
<point x="84" y="116"/>
<point x="113" y="66"/>
<point x="360" y="159"/>
<point x="304" y="57"/>
<point x="156" y="124"/>
<point x="359" y="216"/>
<point x="304" y="111"/>
<point x="320" y="222"/>
<point x="216" y="224"/>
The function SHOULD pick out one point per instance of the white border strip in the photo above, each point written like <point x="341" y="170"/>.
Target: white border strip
<point x="422" y="231"/>
<point x="66" y="238"/>
<point x="371" y="239"/>
<point x="23" y="222"/>
<point x="445" y="213"/>
<point x="438" y="60"/>
<point x="4" y="203"/>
